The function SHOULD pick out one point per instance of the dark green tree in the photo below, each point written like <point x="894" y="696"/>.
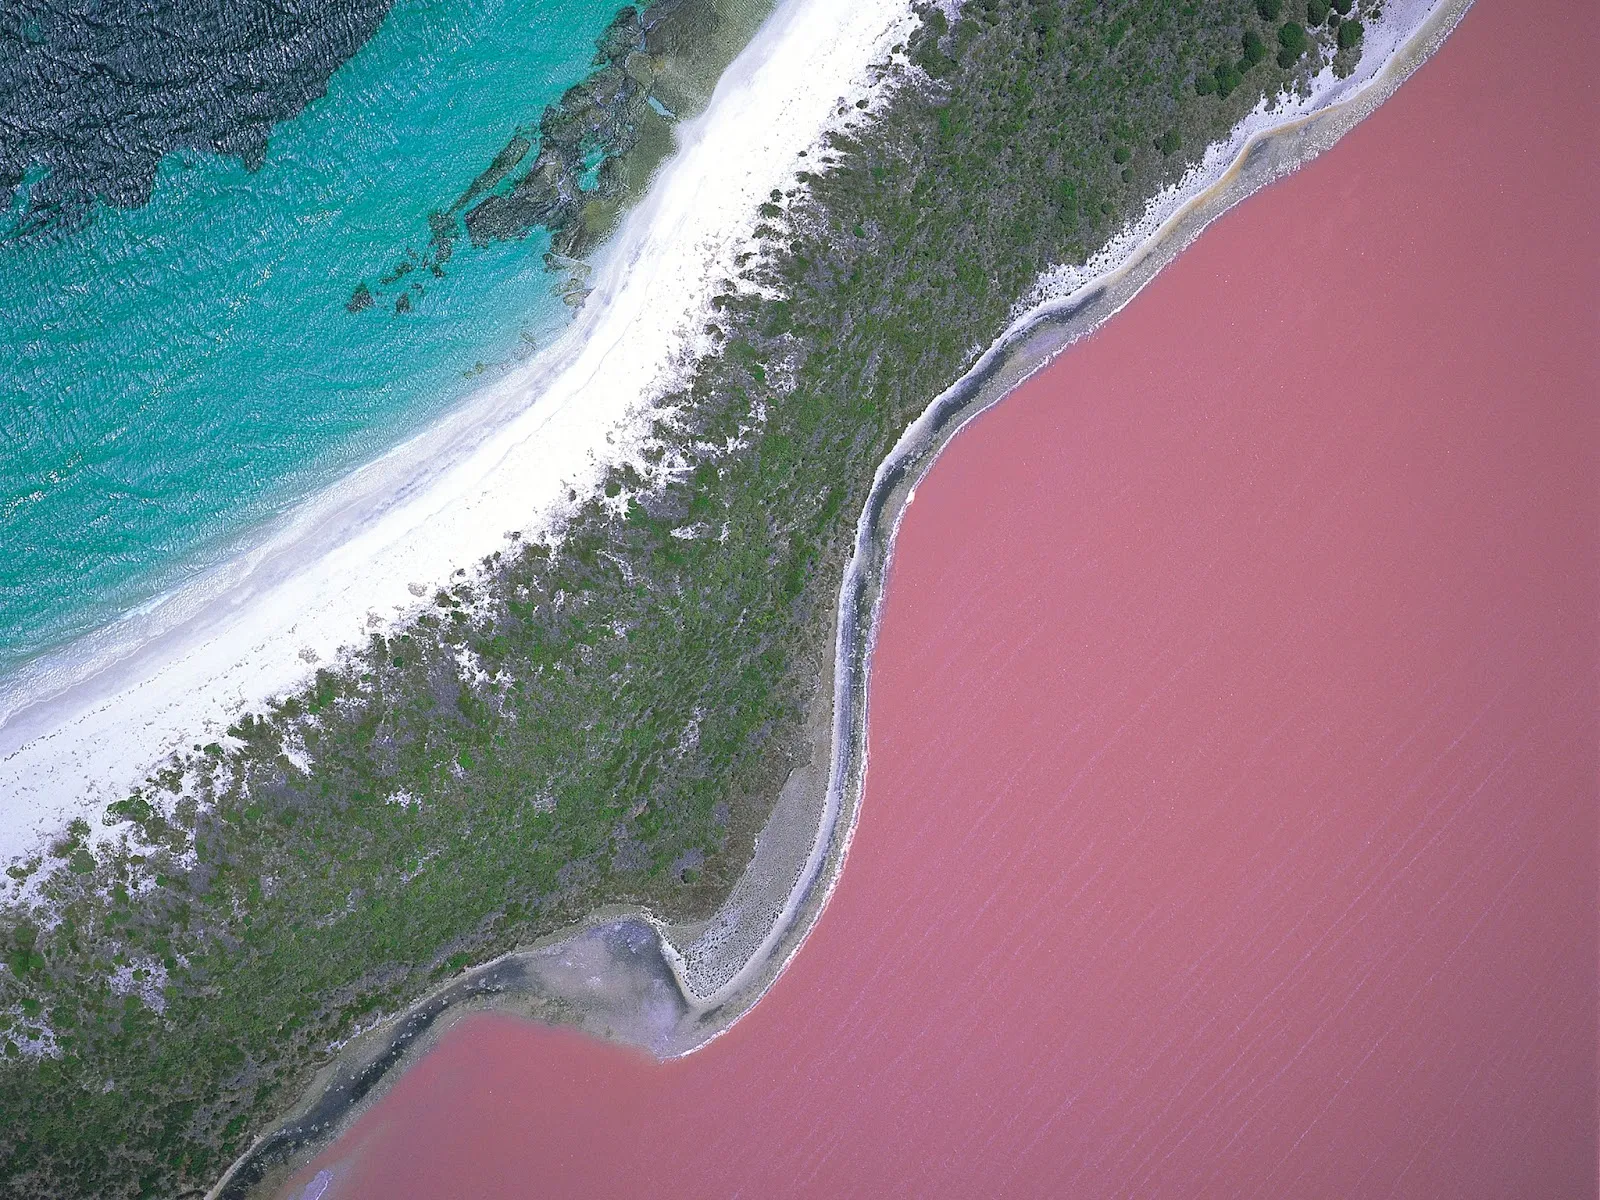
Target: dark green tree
<point x="24" y="957"/>
<point x="1350" y="34"/>
<point x="1292" y="43"/>
<point x="1254" y="48"/>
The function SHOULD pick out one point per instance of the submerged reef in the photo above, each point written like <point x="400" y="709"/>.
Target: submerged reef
<point x="594" y="124"/>
<point x="586" y="156"/>
<point x="609" y="718"/>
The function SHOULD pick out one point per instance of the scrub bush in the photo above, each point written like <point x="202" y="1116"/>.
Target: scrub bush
<point x="1292" y="43"/>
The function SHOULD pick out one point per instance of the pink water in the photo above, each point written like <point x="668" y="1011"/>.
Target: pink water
<point x="1231" y="823"/>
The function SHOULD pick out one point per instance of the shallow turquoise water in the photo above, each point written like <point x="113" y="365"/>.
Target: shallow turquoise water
<point x="172" y="375"/>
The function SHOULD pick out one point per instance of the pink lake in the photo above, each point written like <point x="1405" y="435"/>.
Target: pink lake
<point x="1231" y="823"/>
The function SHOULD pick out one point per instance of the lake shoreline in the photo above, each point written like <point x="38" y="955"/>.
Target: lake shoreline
<point x="1228" y="753"/>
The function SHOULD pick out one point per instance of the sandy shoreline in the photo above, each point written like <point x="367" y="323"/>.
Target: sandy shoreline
<point x="83" y="726"/>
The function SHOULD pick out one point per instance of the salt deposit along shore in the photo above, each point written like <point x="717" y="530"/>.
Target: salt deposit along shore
<point x="81" y="728"/>
<point x="724" y="966"/>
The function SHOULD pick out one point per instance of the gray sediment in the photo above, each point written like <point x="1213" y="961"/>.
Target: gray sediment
<point x="626" y="976"/>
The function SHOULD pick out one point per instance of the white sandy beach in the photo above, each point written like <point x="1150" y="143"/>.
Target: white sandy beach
<point x="80" y="729"/>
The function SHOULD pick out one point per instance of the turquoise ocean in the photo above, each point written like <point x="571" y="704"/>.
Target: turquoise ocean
<point x="173" y="375"/>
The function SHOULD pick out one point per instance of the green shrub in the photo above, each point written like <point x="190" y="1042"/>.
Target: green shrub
<point x="1122" y="154"/>
<point x="1316" y="11"/>
<point x="1342" y="7"/>
<point x="1228" y="78"/>
<point x="925" y="50"/>
<point x="1292" y="43"/>
<point x="1254" y="48"/>
<point x="24" y="957"/>
<point x="1169" y="142"/>
<point x="1269" y="9"/>
<point x="1205" y="83"/>
<point x="1350" y="33"/>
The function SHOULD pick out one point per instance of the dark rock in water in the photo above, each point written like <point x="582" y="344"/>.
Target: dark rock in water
<point x="95" y="96"/>
<point x="598" y="116"/>
<point x="508" y="158"/>
<point x="501" y="218"/>
<point x="620" y="37"/>
<point x="597" y="119"/>
<point x="671" y="26"/>
<point x="360" y="299"/>
<point x="403" y="305"/>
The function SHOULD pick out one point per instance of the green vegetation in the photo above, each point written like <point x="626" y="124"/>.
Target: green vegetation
<point x="1350" y="34"/>
<point x="1228" y="77"/>
<point x="1316" y="12"/>
<point x="608" y="719"/>
<point x="1254" y="48"/>
<point x="1292" y="43"/>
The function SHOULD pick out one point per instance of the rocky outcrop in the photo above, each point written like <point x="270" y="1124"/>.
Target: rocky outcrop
<point x="581" y="142"/>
